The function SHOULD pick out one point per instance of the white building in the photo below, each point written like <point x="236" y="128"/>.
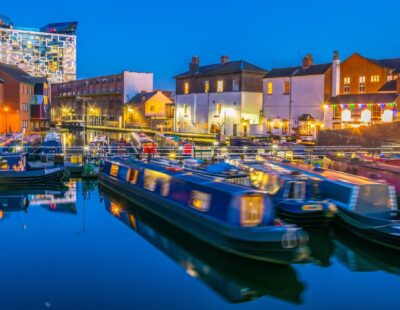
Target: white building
<point x="221" y="98"/>
<point x="294" y="97"/>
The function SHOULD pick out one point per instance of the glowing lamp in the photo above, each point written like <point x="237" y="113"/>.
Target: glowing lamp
<point x="325" y="106"/>
<point x="387" y="116"/>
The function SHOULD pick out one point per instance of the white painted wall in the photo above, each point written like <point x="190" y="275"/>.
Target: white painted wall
<point x="135" y="82"/>
<point x="203" y="108"/>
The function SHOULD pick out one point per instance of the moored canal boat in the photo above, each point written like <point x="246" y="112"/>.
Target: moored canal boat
<point x="296" y="196"/>
<point x="367" y="208"/>
<point x="14" y="171"/>
<point x="236" y="219"/>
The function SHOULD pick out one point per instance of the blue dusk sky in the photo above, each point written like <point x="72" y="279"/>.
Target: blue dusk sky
<point x="162" y="36"/>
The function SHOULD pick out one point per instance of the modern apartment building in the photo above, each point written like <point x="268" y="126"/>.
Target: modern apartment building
<point x="49" y="51"/>
<point x="221" y="98"/>
<point x="99" y="100"/>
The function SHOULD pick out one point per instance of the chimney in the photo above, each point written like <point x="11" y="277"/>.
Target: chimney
<point x="224" y="59"/>
<point x="194" y="65"/>
<point x="308" y="61"/>
<point x="335" y="74"/>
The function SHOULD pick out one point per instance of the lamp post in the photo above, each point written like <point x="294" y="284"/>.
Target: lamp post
<point x="6" y="109"/>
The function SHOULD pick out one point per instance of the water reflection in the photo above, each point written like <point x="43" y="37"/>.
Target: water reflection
<point x="57" y="199"/>
<point x="236" y="279"/>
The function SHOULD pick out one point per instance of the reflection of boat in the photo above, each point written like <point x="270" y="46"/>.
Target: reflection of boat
<point x="297" y="196"/>
<point x="361" y="256"/>
<point x="234" y="278"/>
<point x="15" y="171"/>
<point x="366" y="207"/>
<point x="233" y="218"/>
<point x="61" y="199"/>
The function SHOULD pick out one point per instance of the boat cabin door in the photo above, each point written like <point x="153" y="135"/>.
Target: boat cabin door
<point x="295" y="190"/>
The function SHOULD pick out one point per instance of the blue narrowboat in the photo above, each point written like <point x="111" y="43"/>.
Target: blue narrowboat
<point x="233" y="218"/>
<point x="236" y="279"/>
<point x="296" y="196"/>
<point x="366" y="207"/>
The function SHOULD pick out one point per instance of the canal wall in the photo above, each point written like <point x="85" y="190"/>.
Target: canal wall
<point x="371" y="136"/>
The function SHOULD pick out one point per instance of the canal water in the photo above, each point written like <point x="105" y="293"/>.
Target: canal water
<point x="82" y="247"/>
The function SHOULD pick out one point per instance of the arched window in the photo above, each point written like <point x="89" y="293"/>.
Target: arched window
<point x="366" y="116"/>
<point x="346" y="115"/>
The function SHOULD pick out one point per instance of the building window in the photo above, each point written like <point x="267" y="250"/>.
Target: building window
<point x="376" y="111"/>
<point x="24" y="124"/>
<point x="207" y="86"/>
<point x="24" y="107"/>
<point x="235" y="85"/>
<point x="375" y="78"/>
<point x="186" y="88"/>
<point x="361" y="85"/>
<point x="346" y="85"/>
<point x="220" y="86"/>
<point x="152" y="108"/>
<point x="219" y="108"/>
<point x="337" y="111"/>
<point x="286" y="87"/>
<point x="269" y="88"/>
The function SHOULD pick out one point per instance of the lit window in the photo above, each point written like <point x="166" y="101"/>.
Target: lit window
<point x="165" y="186"/>
<point x="376" y="111"/>
<point x="251" y="210"/>
<point x="219" y="108"/>
<point x="366" y="116"/>
<point x="114" y="170"/>
<point x="375" y="78"/>
<point x="205" y="125"/>
<point x="337" y="111"/>
<point x="346" y="115"/>
<point x="287" y="87"/>
<point x="387" y="116"/>
<point x="207" y="86"/>
<point x="200" y="201"/>
<point x="132" y="176"/>
<point x="346" y="85"/>
<point x="185" y="125"/>
<point x="186" y="88"/>
<point x="269" y="88"/>
<point x="235" y="85"/>
<point x="361" y="85"/>
<point x="220" y="86"/>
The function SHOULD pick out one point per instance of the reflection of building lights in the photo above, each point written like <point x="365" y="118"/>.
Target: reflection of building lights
<point x="274" y="146"/>
<point x="1" y="214"/>
<point x="387" y="116"/>
<point x="115" y="210"/>
<point x="346" y="116"/>
<point x="366" y="116"/>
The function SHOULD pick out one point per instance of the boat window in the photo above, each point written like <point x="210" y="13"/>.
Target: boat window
<point x="165" y="185"/>
<point x="297" y="190"/>
<point x="251" y="210"/>
<point x="132" y="176"/>
<point x="149" y="183"/>
<point x="315" y="194"/>
<point x="151" y="178"/>
<point x="373" y="198"/>
<point x="114" y="170"/>
<point x="200" y="201"/>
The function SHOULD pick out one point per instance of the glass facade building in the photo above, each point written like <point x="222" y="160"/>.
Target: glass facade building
<point x="46" y="52"/>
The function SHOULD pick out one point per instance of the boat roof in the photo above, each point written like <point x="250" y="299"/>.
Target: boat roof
<point x="328" y="174"/>
<point x="215" y="183"/>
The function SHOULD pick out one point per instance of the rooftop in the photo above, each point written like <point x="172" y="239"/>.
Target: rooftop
<point x="298" y="71"/>
<point x="364" y="98"/>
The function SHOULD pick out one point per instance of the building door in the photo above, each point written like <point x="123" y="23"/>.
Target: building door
<point x="235" y="129"/>
<point x="245" y="130"/>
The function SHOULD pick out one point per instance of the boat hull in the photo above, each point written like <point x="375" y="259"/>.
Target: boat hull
<point x="31" y="177"/>
<point x="383" y="233"/>
<point x="311" y="219"/>
<point x="272" y="244"/>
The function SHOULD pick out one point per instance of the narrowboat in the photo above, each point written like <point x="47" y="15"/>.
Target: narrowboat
<point x="371" y="169"/>
<point x="236" y="279"/>
<point x="366" y="207"/>
<point x="15" y="171"/>
<point x="98" y="147"/>
<point x="296" y="196"/>
<point x="236" y="219"/>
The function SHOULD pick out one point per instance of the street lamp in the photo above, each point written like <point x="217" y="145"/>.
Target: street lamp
<point x="6" y="109"/>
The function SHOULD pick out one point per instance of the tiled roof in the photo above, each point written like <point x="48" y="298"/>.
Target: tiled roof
<point x="143" y="97"/>
<point x="16" y="73"/>
<point x="364" y="98"/>
<point x="390" y="86"/>
<point x="228" y="67"/>
<point x="393" y="63"/>
<point x="298" y="71"/>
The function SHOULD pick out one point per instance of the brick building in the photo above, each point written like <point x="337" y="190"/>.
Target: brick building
<point x="219" y="98"/>
<point x="154" y="110"/>
<point x="368" y="93"/>
<point x="100" y="99"/>
<point x="17" y="92"/>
